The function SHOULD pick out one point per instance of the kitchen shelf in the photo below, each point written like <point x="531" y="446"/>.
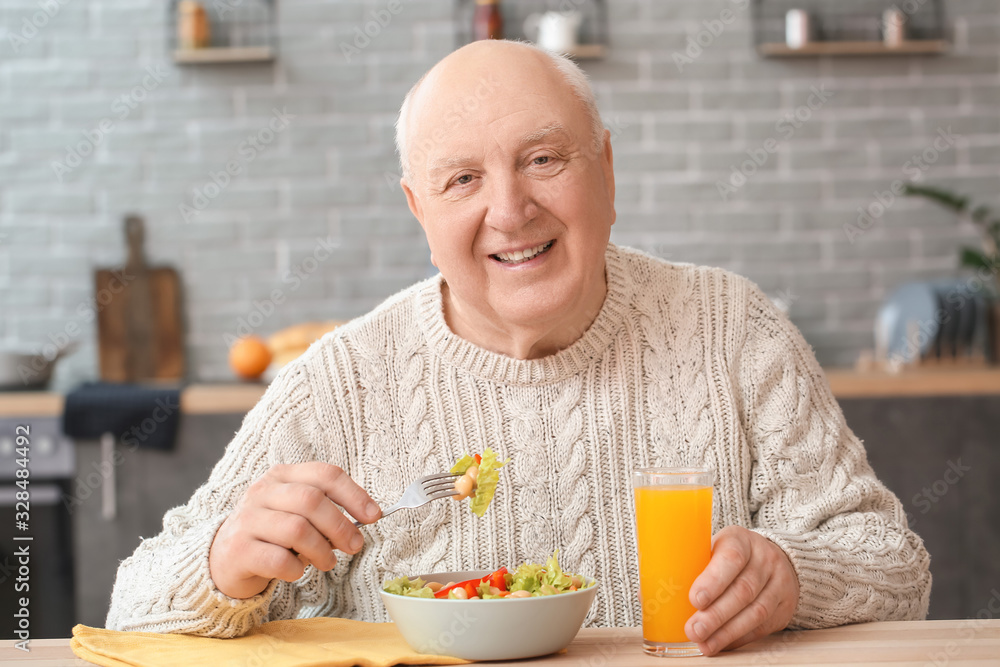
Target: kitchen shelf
<point x="844" y="382"/>
<point x="592" y="35"/>
<point x="238" y="32"/>
<point x="853" y="28"/>
<point x="587" y="52"/>
<point x="854" y="48"/>
<point x="224" y="54"/>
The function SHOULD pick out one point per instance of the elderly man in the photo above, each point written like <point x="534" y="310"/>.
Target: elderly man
<point x="577" y="359"/>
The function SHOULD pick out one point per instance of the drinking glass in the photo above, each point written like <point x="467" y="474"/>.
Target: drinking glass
<point x="673" y="513"/>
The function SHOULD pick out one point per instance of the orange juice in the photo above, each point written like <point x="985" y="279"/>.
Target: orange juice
<point x="674" y="527"/>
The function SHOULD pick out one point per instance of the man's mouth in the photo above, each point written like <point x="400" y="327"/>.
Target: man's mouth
<point x="522" y="256"/>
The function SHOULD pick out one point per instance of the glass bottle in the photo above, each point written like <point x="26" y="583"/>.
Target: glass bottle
<point x="487" y="22"/>
<point x="193" y="31"/>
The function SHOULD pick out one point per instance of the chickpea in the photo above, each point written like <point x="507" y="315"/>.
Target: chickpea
<point x="520" y="594"/>
<point x="494" y="590"/>
<point x="450" y="583"/>
<point x="460" y="594"/>
<point x="434" y="586"/>
<point x="473" y="473"/>
<point x="463" y="487"/>
<point x="576" y="581"/>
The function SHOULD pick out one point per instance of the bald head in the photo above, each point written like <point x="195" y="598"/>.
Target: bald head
<point x="476" y="77"/>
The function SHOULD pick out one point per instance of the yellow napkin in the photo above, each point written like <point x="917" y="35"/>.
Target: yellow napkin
<point x="307" y="642"/>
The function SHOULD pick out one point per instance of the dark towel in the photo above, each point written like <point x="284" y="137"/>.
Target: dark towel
<point x="138" y="416"/>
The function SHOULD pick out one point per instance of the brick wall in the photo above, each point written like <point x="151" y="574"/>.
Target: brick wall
<point x="99" y="68"/>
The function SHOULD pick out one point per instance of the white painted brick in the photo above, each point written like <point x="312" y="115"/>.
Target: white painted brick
<point x="692" y="129"/>
<point x="677" y="132"/>
<point x="326" y="195"/>
<point x="35" y="200"/>
<point x="707" y="67"/>
<point x="332" y="74"/>
<point x="309" y="134"/>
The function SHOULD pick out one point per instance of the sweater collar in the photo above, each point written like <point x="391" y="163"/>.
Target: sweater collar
<point x="498" y="367"/>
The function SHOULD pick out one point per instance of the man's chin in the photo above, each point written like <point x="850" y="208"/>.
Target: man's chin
<point x="543" y="317"/>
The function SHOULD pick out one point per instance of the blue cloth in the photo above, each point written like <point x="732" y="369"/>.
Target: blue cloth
<point x="137" y="415"/>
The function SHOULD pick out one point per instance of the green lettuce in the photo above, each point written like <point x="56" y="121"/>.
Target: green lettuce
<point x="536" y="579"/>
<point x="414" y="588"/>
<point x="486" y="482"/>
<point x="554" y="575"/>
<point x="484" y="592"/>
<point x="463" y="464"/>
<point x="527" y="577"/>
<point x="548" y="579"/>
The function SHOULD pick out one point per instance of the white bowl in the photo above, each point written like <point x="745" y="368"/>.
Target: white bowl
<point x="505" y="629"/>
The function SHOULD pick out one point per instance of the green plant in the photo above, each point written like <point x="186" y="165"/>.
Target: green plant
<point x="982" y="215"/>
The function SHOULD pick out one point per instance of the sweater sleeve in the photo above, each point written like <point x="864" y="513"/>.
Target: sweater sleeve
<point x="165" y="586"/>
<point x="812" y="491"/>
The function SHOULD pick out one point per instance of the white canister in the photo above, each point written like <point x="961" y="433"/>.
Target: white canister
<point x="554" y="31"/>
<point x="798" y="28"/>
<point x="893" y="26"/>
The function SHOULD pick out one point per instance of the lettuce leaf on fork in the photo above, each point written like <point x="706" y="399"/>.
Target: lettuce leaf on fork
<point x="486" y="481"/>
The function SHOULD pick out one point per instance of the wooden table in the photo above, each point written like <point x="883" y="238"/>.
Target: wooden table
<point x="922" y="643"/>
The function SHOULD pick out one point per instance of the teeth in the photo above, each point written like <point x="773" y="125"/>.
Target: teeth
<point x="522" y="255"/>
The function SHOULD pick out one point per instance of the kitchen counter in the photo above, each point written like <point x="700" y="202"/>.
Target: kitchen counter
<point x="846" y="383"/>
<point x="196" y="399"/>
<point x="968" y="642"/>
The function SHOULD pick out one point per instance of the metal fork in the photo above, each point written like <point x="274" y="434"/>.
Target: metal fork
<point x="422" y="491"/>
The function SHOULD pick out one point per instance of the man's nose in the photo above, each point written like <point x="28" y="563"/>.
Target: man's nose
<point x="510" y="203"/>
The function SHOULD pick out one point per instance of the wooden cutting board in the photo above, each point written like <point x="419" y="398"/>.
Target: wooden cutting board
<point x="139" y="319"/>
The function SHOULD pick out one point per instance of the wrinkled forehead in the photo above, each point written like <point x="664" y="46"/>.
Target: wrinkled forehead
<point x="473" y="110"/>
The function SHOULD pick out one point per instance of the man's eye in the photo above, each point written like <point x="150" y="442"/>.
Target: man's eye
<point x="464" y="179"/>
<point x="542" y="159"/>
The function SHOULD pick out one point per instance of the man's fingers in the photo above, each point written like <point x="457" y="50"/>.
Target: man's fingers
<point x="293" y="531"/>
<point x="751" y="636"/>
<point x="753" y="621"/>
<point x="275" y="562"/>
<point x="335" y="483"/>
<point x="311" y="503"/>
<point x="776" y="622"/>
<point x="742" y="593"/>
<point x="730" y="554"/>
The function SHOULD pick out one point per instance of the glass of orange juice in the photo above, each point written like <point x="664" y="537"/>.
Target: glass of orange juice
<point x="673" y="514"/>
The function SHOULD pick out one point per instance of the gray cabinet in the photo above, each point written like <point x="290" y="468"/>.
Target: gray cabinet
<point x="941" y="456"/>
<point x="148" y="484"/>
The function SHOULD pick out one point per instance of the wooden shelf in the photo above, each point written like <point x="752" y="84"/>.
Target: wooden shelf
<point x="196" y="399"/>
<point x="587" y="52"/>
<point x="845" y="383"/>
<point x="927" y="381"/>
<point x="226" y="54"/>
<point x="868" y="48"/>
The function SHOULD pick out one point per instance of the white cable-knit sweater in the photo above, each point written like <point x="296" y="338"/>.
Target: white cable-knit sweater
<point x="684" y="365"/>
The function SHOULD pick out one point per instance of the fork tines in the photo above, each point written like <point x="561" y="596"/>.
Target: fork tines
<point x="434" y="484"/>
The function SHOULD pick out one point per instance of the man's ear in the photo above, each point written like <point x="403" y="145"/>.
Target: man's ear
<point x="608" y="164"/>
<point x="413" y="201"/>
<point x="415" y="208"/>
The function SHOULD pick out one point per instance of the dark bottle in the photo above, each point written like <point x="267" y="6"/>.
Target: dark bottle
<point x="487" y="22"/>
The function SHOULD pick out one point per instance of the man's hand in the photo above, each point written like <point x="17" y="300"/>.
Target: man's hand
<point x="289" y="507"/>
<point x="747" y="591"/>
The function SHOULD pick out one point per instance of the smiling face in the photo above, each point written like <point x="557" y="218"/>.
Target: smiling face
<point x="516" y="203"/>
